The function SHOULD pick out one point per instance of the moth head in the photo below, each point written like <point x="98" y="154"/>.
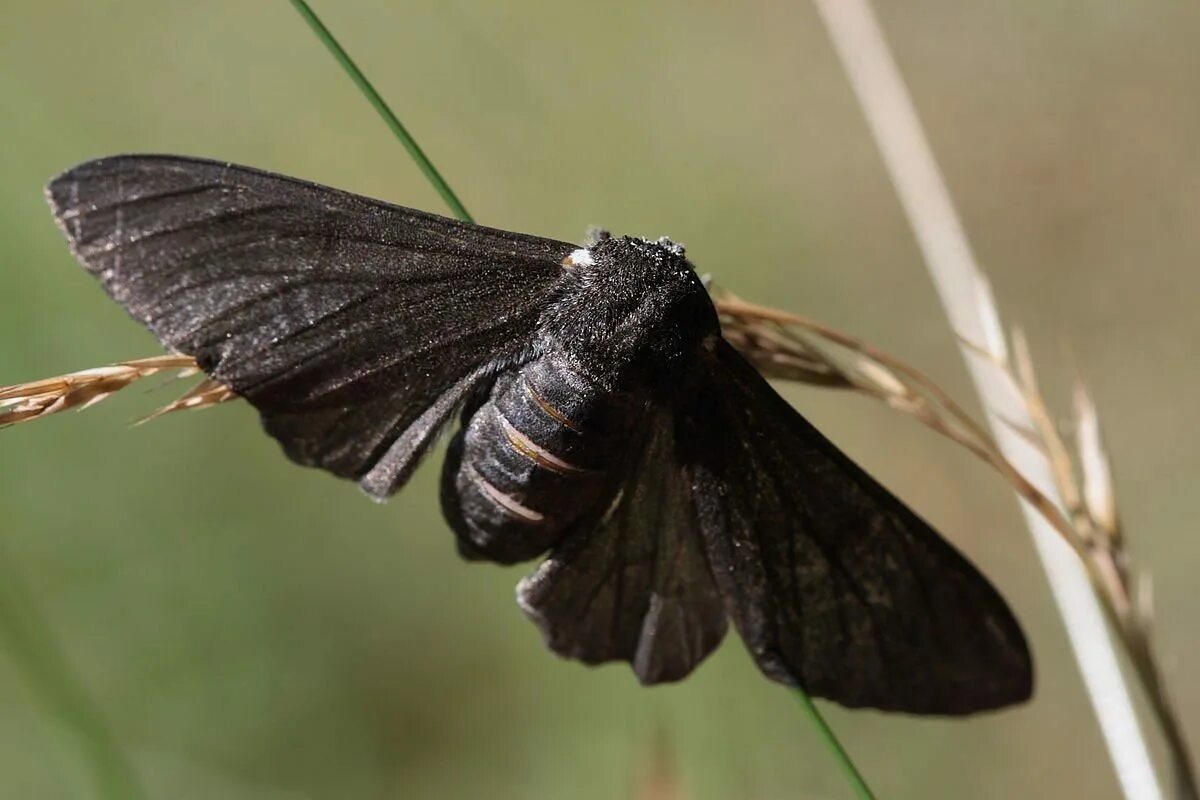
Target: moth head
<point x="633" y="307"/>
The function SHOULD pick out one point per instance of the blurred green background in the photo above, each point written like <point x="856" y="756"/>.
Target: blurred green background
<point x="252" y="629"/>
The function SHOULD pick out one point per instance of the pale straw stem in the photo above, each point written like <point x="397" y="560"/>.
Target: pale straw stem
<point x="967" y="299"/>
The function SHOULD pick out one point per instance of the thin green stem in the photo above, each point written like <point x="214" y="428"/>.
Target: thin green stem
<point x="853" y="776"/>
<point x="29" y="642"/>
<point x="835" y="747"/>
<point x="393" y="122"/>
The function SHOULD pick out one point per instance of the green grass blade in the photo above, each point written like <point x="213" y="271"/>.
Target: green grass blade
<point x="389" y="117"/>
<point x="853" y="776"/>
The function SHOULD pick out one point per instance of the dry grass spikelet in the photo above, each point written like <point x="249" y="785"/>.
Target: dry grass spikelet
<point x="24" y="402"/>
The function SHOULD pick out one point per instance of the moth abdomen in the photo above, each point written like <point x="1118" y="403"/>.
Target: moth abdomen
<point x="534" y="458"/>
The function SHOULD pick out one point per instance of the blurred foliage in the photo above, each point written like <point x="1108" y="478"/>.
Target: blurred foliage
<point x="253" y="629"/>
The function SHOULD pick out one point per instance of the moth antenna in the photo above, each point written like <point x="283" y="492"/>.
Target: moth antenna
<point x="595" y="235"/>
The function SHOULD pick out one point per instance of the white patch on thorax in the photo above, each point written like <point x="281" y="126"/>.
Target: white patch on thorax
<point x="580" y="258"/>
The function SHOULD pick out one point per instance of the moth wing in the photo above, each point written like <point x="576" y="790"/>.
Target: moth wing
<point x="833" y="583"/>
<point x="343" y="320"/>
<point x="633" y="583"/>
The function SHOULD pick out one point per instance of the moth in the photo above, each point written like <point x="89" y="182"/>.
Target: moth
<point x="603" y="423"/>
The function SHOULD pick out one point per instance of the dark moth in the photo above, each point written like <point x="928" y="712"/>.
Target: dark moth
<point x="603" y="420"/>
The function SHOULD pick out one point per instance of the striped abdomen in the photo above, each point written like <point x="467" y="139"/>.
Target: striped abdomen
<point x="534" y="457"/>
